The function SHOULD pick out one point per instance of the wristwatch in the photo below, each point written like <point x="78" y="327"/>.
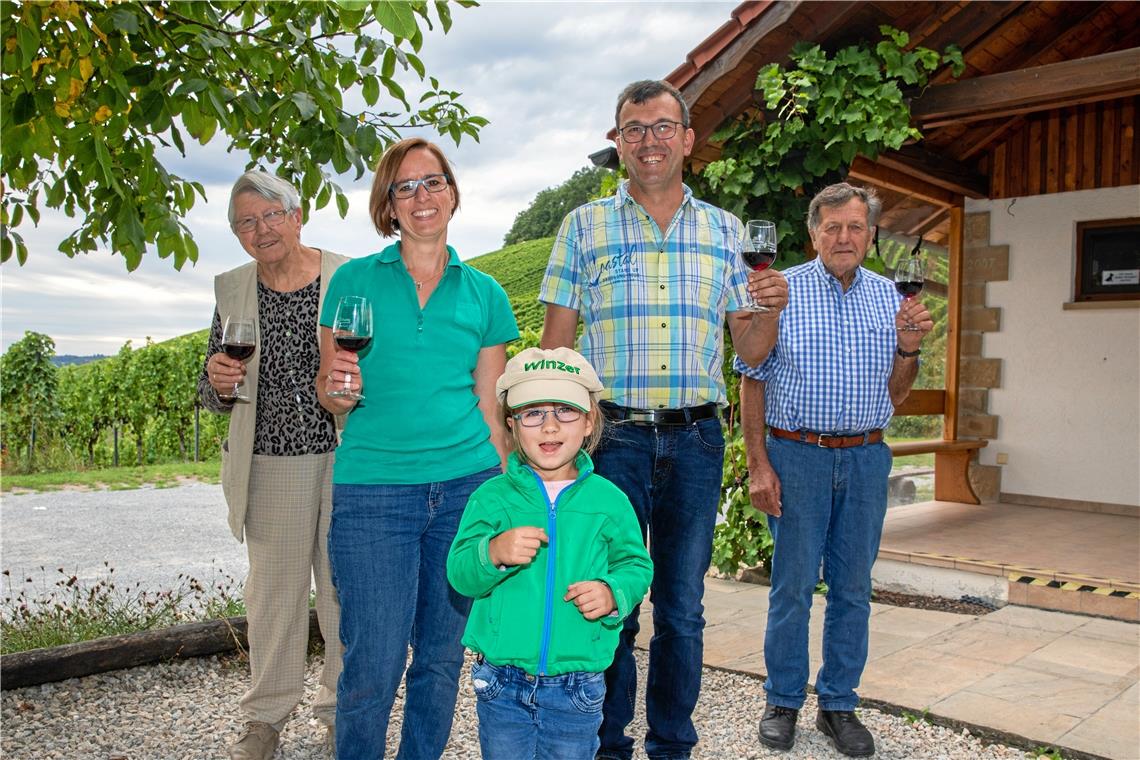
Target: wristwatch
<point x="908" y="354"/>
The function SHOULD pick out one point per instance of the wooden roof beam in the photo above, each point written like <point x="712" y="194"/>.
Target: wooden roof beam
<point x="1056" y="85"/>
<point x="865" y="170"/>
<point x="937" y="170"/>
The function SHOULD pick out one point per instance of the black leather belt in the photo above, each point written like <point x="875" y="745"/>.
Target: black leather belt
<point x="683" y="416"/>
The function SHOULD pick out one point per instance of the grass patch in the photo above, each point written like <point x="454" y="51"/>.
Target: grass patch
<point x="115" y="478"/>
<point x="915" y="460"/>
<point x="58" y="608"/>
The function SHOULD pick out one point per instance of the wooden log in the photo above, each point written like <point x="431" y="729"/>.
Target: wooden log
<point x="129" y="650"/>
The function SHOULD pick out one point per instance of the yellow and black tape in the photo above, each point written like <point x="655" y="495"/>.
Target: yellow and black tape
<point x="1074" y="586"/>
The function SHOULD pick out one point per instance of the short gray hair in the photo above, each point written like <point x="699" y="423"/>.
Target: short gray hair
<point x="840" y="194"/>
<point x="648" y="89"/>
<point x="269" y="187"/>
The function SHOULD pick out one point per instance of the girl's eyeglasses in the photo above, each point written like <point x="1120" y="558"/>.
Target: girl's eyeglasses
<point x="536" y="417"/>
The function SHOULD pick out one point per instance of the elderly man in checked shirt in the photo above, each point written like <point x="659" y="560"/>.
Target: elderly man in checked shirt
<point x="653" y="272"/>
<point x="846" y="356"/>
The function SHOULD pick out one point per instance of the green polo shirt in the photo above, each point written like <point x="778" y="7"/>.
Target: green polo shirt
<point x="420" y="421"/>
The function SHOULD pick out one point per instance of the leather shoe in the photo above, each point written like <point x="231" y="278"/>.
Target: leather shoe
<point x="846" y="732"/>
<point x="257" y="741"/>
<point x="778" y="727"/>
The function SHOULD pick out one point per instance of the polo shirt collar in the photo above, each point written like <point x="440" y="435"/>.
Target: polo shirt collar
<point x="391" y="255"/>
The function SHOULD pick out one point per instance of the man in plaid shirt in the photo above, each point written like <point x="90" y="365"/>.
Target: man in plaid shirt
<point x="653" y="273"/>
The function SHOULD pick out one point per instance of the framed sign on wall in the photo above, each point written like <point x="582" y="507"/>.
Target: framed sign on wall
<point x="1108" y="260"/>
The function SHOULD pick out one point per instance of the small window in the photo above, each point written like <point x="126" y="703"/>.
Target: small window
<point x="1108" y="260"/>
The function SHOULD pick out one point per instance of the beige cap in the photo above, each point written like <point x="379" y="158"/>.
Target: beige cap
<point x="557" y="375"/>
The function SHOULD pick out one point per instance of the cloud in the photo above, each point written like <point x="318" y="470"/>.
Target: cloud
<point x="547" y="75"/>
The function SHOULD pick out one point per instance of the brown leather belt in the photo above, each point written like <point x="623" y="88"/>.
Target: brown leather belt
<point x="827" y="441"/>
<point x="684" y="416"/>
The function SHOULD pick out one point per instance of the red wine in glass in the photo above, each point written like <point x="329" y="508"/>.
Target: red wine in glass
<point x="352" y="331"/>
<point x="908" y="289"/>
<point x="239" y="351"/>
<point x="758" y="259"/>
<point x="353" y="343"/>
<point x="759" y="252"/>
<point x="909" y="279"/>
<point x="239" y="339"/>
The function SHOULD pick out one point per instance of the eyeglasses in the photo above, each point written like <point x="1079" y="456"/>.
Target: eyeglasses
<point x="662" y="130"/>
<point x="271" y="219"/>
<point x="536" y="417"/>
<point x="406" y="188"/>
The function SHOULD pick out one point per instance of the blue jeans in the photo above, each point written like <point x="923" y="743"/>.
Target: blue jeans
<point x="834" y="502"/>
<point x="672" y="475"/>
<point x="544" y="717"/>
<point x="388" y="549"/>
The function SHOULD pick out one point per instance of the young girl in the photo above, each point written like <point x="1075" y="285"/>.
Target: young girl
<point x="553" y="556"/>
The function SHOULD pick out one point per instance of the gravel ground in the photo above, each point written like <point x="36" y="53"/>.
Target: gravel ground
<point x="187" y="710"/>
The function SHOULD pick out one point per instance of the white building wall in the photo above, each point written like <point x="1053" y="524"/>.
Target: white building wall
<point x="1069" y="401"/>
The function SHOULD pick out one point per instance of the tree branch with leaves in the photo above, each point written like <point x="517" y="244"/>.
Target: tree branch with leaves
<point x="819" y="112"/>
<point x="90" y="90"/>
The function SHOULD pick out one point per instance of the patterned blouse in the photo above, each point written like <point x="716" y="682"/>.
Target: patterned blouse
<point x="290" y="420"/>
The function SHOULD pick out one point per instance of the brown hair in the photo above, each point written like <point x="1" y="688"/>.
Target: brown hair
<point x="380" y="202"/>
<point x="589" y="443"/>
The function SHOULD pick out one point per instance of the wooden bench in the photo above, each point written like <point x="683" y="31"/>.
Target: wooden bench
<point x="951" y="466"/>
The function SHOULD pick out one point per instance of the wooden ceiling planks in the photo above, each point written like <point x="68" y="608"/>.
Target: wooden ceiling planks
<point x="1056" y="148"/>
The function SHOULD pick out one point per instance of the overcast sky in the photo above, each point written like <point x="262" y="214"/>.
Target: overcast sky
<point x="547" y="75"/>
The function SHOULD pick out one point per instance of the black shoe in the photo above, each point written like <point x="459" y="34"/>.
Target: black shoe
<point x="778" y="727"/>
<point x="846" y="732"/>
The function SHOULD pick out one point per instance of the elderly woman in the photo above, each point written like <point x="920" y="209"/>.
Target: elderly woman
<point x="277" y="461"/>
<point x="425" y="437"/>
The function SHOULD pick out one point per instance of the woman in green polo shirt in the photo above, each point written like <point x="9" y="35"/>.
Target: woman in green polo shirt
<point x="426" y="436"/>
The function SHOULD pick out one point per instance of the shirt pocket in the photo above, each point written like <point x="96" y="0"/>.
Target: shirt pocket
<point x="882" y="340"/>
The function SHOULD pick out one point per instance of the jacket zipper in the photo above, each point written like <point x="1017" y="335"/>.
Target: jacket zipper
<point x="551" y="533"/>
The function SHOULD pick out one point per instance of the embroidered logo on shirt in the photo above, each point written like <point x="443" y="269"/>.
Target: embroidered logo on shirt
<point x="615" y="269"/>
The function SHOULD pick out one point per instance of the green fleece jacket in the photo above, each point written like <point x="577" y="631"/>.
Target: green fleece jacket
<point x="518" y="617"/>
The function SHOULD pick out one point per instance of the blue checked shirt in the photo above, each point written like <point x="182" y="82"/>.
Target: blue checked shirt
<point x="653" y="305"/>
<point x="834" y="353"/>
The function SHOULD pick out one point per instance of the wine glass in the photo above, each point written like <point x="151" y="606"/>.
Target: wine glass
<point x="352" y="331"/>
<point x="239" y="339"/>
<point x="759" y="252"/>
<point x="909" y="279"/>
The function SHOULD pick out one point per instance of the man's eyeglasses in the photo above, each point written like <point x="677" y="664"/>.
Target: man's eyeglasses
<point x="271" y="219"/>
<point x="662" y="130"/>
<point x="536" y="417"/>
<point x="406" y="188"/>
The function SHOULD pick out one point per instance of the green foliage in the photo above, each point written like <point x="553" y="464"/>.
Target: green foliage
<point x="912" y="718"/>
<point x="544" y="215"/>
<point x="519" y="269"/>
<point x="46" y="614"/>
<point x="1049" y="753"/>
<point x="742" y="540"/>
<point x="90" y="89"/>
<point x="149" y="394"/>
<point x="28" y="382"/>
<point x="818" y="116"/>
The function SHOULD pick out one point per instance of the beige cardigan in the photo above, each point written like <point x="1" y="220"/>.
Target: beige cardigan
<point x="236" y="293"/>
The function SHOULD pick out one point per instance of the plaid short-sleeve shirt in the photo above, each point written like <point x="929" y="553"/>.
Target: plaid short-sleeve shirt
<point x="834" y="353"/>
<point x="653" y="305"/>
